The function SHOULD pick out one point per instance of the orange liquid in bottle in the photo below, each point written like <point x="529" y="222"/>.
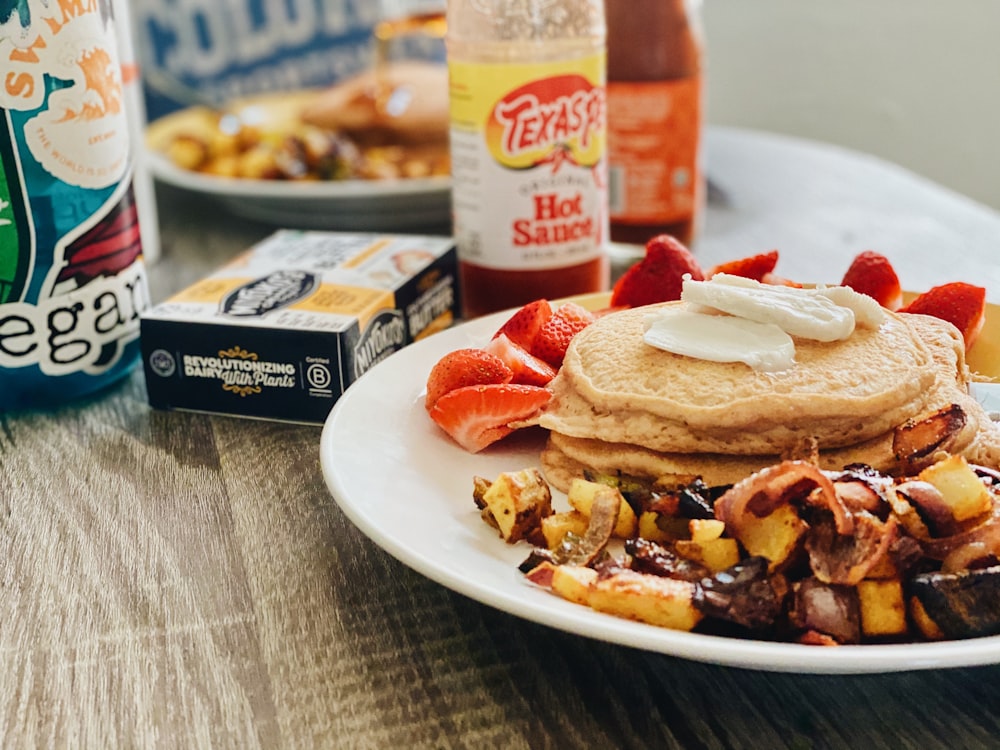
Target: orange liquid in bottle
<point x="655" y="85"/>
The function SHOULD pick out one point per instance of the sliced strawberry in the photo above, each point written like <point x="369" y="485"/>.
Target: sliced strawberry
<point x="527" y="369"/>
<point x="553" y="340"/>
<point x="658" y="276"/>
<point x="754" y="267"/>
<point x="464" y="367"/>
<point x="963" y="305"/>
<point x="523" y="326"/>
<point x="478" y="415"/>
<point x="871" y="273"/>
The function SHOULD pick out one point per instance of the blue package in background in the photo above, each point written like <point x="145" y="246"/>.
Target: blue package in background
<point x="212" y="51"/>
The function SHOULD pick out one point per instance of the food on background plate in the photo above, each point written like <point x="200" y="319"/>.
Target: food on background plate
<point x="353" y="130"/>
<point x="406" y="103"/>
<point x="848" y="494"/>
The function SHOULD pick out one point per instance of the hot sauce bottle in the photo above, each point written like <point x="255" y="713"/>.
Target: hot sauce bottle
<point x="655" y="116"/>
<point x="528" y="132"/>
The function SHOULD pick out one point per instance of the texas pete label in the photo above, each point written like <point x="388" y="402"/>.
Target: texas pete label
<point x="528" y="162"/>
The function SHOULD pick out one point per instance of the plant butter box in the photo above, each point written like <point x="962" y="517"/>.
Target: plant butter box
<point x="282" y="330"/>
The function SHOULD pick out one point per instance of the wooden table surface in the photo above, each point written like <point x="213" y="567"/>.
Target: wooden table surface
<point x="184" y="580"/>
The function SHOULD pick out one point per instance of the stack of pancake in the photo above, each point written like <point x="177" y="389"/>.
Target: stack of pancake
<point x="621" y="405"/>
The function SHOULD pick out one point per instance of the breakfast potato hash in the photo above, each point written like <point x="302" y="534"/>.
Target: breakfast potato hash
<point x="238" y="145"/>
<point x="791" y="553"/>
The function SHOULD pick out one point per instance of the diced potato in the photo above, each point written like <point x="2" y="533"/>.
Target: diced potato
<point x="581" y="497"/>
<point x="656" y="600"/>
<point x="963" y="490"/>
<point x="649" y="529"/>
<point x="775" y="536"/>
<point x="715" y="554"/>
<point x="573" y="582"/>
<point x="883" y="608"/>
<point x="706" y="529"/>
<point x="884" y="568"/>
<point x="558" y="525"/>
<point x="187" y="152"/>
<point x="222" y="166"/>
<point x="258" y="163"/>
<point x="222" y="145"/>
<point x="518" y="501"/>
<point x="927" y="627"/>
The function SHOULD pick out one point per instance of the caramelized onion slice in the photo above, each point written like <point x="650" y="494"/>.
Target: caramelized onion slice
<point x="795" y="482"/>
<point x="603" y="517"/>
<point x="920" y="438"/>
<point x="847" y="558"/>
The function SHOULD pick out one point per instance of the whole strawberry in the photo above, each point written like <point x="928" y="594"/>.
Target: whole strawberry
<point x="871" y="273"/>
<point x="961" y="304"/>
<point x="658" y="276"/>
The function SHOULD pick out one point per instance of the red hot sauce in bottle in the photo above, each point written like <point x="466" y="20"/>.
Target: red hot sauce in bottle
<point x="528" y="148"/>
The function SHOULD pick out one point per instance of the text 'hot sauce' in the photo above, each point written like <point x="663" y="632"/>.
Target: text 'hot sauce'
<point x="528" y="141"/>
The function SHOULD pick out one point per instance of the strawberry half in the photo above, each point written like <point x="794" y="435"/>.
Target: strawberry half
<point x="478" y="415"/>
<point x="963" y="305"/>
<point x="871" y="273"/>
<point x="527" y="369"/>
<point x="753" y="267"/>
<point x="524" y="325"/>
<point x="552" y="341"/>
<point x="464" y="367"/>
<point x="658" y="276"/>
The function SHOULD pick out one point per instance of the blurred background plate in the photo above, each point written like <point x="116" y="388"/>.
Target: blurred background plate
<point x="419" y="203"/>
<point x="352" y="205"/>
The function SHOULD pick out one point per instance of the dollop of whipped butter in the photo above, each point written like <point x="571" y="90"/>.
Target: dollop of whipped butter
<point x="732" y="319"/>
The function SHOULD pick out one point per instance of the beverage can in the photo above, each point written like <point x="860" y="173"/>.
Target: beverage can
<point x="72" y="278"/>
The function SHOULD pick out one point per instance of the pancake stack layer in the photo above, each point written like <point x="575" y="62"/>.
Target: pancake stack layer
<point x="621" y="405"/>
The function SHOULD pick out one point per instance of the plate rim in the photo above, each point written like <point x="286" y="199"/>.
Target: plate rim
<point x="527" y="602"/>
<point x="342" y="190"/>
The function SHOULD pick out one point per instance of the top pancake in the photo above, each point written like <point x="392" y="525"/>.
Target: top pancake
<point x="616" y="388"/>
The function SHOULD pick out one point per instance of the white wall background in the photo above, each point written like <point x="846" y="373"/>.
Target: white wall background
<point x="916" y="82"/>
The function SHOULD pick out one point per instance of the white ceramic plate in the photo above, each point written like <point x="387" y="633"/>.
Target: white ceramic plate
<point x="409" y="489"/>
<point x="348" y="205"/>
<point x="377" y="205"/>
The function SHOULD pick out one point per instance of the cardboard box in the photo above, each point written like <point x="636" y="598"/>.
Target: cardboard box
<point x="281" y="331"/>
